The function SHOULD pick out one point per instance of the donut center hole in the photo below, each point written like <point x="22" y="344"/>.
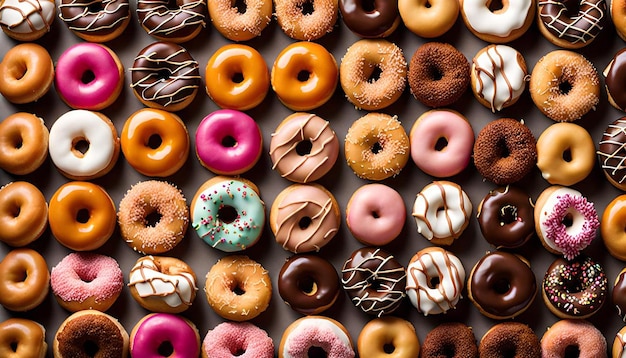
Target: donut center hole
<point x="238" y="290"/>
<point x="80" y="146"/>
<point x="304" y="75"/>
<point x="307" y="286"/>
<point x="87" y="77"/>
<point x="317" y="352"/>
<point x="15" y="211"/>
<point x="304" y="147"/>
<point x="154" y="141"/>
<point x="433" y="282"/>
<point x="572" y="286"/>
<point x="428" y="5"/>
<point x="307" y="7"/>
<point x="435" y="73"/>
<point x="377" y="148"/>
<point x="501" y="286"/>
<point x="14" y="347"/>
<point x="448" y="350"/>
<point x="375" y="284"/>
<point x="153" y="218"/>
<point x="237" y="77"/>
<point x="567" y="155"/>
<point x="163" y="74"/>
<point x="565" y="87"/>
<point x="495" y="5"/>
<point x="240" y="5"/>
<point x="375" y="215"/>
<point x="304" y="222"/>
<point x="571" y="352"/>
<point x="503" y="150"/>
<point x="368" y="5"/>
<point x="508" y="214"/>
<point x="441" y="144"/>
<point x="568" y="220"/>
<point x="90" y="348"/>
<point x="388" y="348"/>
<point x="229" y="142"/>
<point x="165" y="349"/>
<point x="17" y="142"/>
<point x="375" y="75"/>
<point x="18" y="71"/>
<point x="227" y="214"/>
<point x="238" y="352"/>
<point x="508" y="350"/>
<point x="95" y="7"/>
<point x="82" y="216"/>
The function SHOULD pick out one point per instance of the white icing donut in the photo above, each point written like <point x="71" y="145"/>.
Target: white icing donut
<point x="315" y="331"/>
<point x="27" y="16"/>
<point x="499" y="23"/>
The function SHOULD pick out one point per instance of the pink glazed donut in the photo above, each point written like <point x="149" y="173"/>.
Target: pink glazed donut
<point x="228" y="142"/>
<point x="441" y="142"/>
<point x="241" y="339"/>
<point x="89" y="76"/>
<point x="160" y="335"/>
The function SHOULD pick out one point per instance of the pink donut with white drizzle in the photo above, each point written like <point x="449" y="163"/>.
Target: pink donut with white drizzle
<point x="441" y="142"/>
<point x="228" y="142"/>
<point x="89" y="76"/>
<point x="155" y="331"/>
<point x="375" y="214"/>
<point x="228" y="338"/>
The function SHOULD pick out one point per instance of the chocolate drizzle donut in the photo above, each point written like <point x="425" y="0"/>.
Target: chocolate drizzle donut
<point x="612" y="153"/>
<point x="178" y="25"/>
<point x="506" y="217"/>
<point x="380" y="21"/>
<point x="619" y="295"/>
<point x="99" y="18"/>
<point x="555" y="17"/>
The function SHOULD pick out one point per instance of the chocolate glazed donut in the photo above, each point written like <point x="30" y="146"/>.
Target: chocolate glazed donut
<point x="163" y="22"/>
<point x="578" y="29"/>
<point x="98" y="18"/>
<point x="619" y="295"/>
<point x="379" y="21"/>
<point x="506" y="217"/>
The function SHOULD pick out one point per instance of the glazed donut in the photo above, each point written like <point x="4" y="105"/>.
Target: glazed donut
<point x="373" y="74"/>
<point x="618" y="297"/>
<point x="23" y="143"/>
<point x="316" y="331"/>
<point x="505" y="151"/>
<point x="442" y="211"/>
<point x="304" y="76"/>
<point x="83" y="145"/>
<point x="303" y="148"/>
<point x="614" y="78"/>
<point x="612" y="227"/>
<point x="242" y="339"/>
<point x="441" y="142"/>
<point x="380" y="20"/>
<point x="168" y="23"/>
<point x="95" y="21"/>
<point x="228" y="142"/>
<point x="308" y="284"/>
<point x="612" y="151"/>
<point x="571" y="335"/>
<point x="21" y="337"/>
<point x="26" y="73"/>
<point x="374" y="280"/>
<point x="304" y="217"/>
<point x="23" y="213"/>
<point x="306" y="20"/>
<point x="228" y="213"/>
<point x="619" y="344"/>
<point x="510" y="339"/>
<point x="500" y="24"/>
<point x="438" y="74"/>
<point x="506" y="217"/>
<point x="451" y="336"/>
<point x="428" y="18"/>
<point x="155" y="331"/>
<point x="24" y="280"/>
<point x="27" y="20"/>
<point x="155" y="142"/>
<point x="382" y="334"/>
<point x="237" y="77"/>
<point x="571" y="25"/>
<point x="165" y="76"/>
<point x="240" y="26"/>
<point x="617" y="16"/>
<point x="564" y="85"/>
<point x="566" y="153"/>
<point x="138" y="208"/>
<point x="89" y="331"/>
<point x="238" y="288"/>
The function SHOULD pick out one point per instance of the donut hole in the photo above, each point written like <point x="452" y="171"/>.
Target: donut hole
<point x="18" y="71"/>
<point x="83" y="216"/>
<point x="501" y="286"/>
<point x="306" y="8"/>
<point x="565" y="87"/>
<point x="502" y="149"/>
<point x="435" y="73"/>
<point x="368" y="5"/>
<point x="376" y="284"/>
<point x="238" y="352"/>
<point x="95" y="7"/>
<point x="316" y="352"/>
<point x="87" y="77"/>
<point x="571" y="351"/>
<point x="572" y="285"/>
<point x="238" y="290"/>
<point x="90" y="348"/>
<point x="15" y="210"/>
<point x="240" y="5"/>
<point x="375" y="74"/>
<point x="17" y="142"/>
<point x="229" y="142"/>
<point x="154" y="141"/>
<point x="389" y="348"/>
<point x="153" y="218"/>
<point x="568" y="220"/>
<point x="377" y="148"/>
<point x="227" y="214"/>
<point x="80" y="146"/>
<point x="163" y="74"/>
<point x="495" y="5"/>
<point x="165" y="349"/>
<point x="308" y="286"/>
<point x="508" y="214"/>
<point x="567" y="155"/>
<point x="433" y="282"/>
<point x="375" y="214"/>
<point x="304" y="222"/>
<point x="303" y="75"/>
<point x="304" y="147"/>
<point x="448" y="349"/>
<point x="508" y="350"/>
<point x="13" y="346"/>
<point x="441" y="144"/>
<point x="237" y="77"/>
<point x="428" y="5"/>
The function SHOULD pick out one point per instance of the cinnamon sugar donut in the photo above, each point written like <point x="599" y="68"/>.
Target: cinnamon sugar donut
<point x="305" y="19"/>
<point x="450" y="337"/>
<point x="510" y="339"/>
<point x="236" y="25"/>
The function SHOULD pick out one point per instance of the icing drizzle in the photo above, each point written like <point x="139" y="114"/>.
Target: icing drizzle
<point x="26" y="16"/>
<point x="448" y="222"/>
<point x="162" y="21"/>
<point x="80" y="16"/>
<point x="612" y="151"/>
<point x="583" y="27"/>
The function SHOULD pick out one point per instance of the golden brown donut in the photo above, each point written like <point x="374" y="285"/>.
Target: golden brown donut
<point x="23" y="143"/>
<point x="618" y="15"/>
<point x="428" y="18"/>
<point x="87" y="331"/>
<point x="381" y="334"/>
<point x="24" y="280"/>
<point x="26" y="73"/>
<point x="23" y="213"/>
<point x="612" y="227"/>
<point x="619" y="344"/>
<point x="22" y="338"/>
<point x="238" y="26"/>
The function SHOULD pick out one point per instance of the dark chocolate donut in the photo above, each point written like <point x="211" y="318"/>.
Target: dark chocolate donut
<point x="86" y="332"/>
<point x="163" y="22"/>
<point x="450" y="340"/>
<point x="576" y="22"/>
<point x="619" y="294"/>
<point x="612" y="153"/>
<point x="88" y="18"/>
<point x="506" y="217"/>
<point x="378" y="21"/>
<point x="510" y="339"/>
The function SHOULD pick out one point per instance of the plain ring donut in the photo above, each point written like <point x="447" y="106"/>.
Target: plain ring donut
<point x="23" y="143"/>
<point x="24" y="280"/>
<point x="20" y="337"/>
<point x="23" y="213"/>
<point x="26" y="73"/>
<point x="388" y="333"/>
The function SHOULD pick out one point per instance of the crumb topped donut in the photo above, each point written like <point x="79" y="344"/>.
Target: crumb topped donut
<point x="510" y="339"/>
<point x="306" y="20"/>
<point x="236" y="25"/>
<point x="89" y="330"/>
<point x="449" y="337"/>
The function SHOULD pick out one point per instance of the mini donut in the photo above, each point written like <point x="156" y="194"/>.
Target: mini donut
<point x="178" y="23"/>
<point x="441" y="142"/>
<point x="428" y="18"/>
<point x="304" y="75"/>
<point x="20" y="337"/>
<point x="372" y="20"/>
<point x="435" y="280"/>
<point x="155" y="142"/>
<point x="95" y="21"/>
<point x="241" y="339"/>
<point x="237" y="25"/>
<point x="27" y="20"/>
<point x="23" y="143"/>
<point x="612" y="152"/>
<point x="382" y="334"/>
<point x="83" y="145"/>
<point x="24" y="280"/>
<point x="304" y="217"/>
<point x="510" y="339"/>
<point x="228" y="142"/>
<point x="237" y="77"/>
<point x="618" y="12"/>
<point x="564" y="85"/>
<point x="162" y="284"/>
<point x="306" y="20"/>
<point x="153" y="201"/>
<point x="373" y="73"/>
<point x="619" y="344"/>
<point x="23" y="213"/>
<point x="442" y="211"/>
<point x="612" y="227"/>
<point x="438" y="74"/>
<point x="505" y="151"/>
<point x="449" y="337"/>
<point x="308" y="284"/>
<point x="316" y="332"/>
<point x="303" y="148"/>
<point x="614" y="77"/>
<point x="571" y="25"/>
<point x="238" y="288"/>
<point x="374" y="280"/>
<point x="155" y="331"/>
<point x="26" y="73"/>
<point x="573" y="335"/>
<point x="89" y="331"/>
<point x="506" y="217"/>
<point x="498" y="24"/>
<point x="618" y="297"/>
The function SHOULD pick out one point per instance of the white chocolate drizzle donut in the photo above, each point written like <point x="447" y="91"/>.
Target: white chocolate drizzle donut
<point x="482" y="20"/>
<point x="27" y="16"/>
<point x="583" y="27"/>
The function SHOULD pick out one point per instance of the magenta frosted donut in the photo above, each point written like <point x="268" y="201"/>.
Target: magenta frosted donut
<point x="228" y="142"/>
<point x="241" y="339"/>
<point x="158" y="330"/>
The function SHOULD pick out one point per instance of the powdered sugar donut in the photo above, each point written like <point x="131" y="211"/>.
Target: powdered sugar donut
<point x="316" y="331"/>
<point x="242" y="339"/>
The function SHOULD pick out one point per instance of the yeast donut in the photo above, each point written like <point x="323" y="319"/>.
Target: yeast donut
<point x="571" y="25"/>
<point x="614" y="77"/>
<point x="388" y="333"/>
<point x="304" y="20"/>
<point x="617" y="294"/>
<point x="506" y="217"/>
<point x="95" y="21"/>
<point x="612" y="227"/>
<point x="240" y="26"/>
<point x="24" y="280"/>
<point x="169" y="23"/>
<point x="501" y="24"/>
<point x="510" y="339"/>
<point x="156" y="330"/>
<point x="612" y="151"/>
<point x="316" y="331"/>
<point x="26" y="73"/>
<point x="23" y="143"/>
<point x="428" y="18"/>
<point x="20" y="337"/>
<point x="27" y="20"/>
<point x="243" y="338"/>
<point x="575" y="335"/>
<point x="451" y="336"/>
<point x="89" y="331"/>
<point x="23" y="213"/>
<point x="378" y="19"/>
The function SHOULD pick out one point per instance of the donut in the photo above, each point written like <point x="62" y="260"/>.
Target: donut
<point x="612" y="151"/>
<point x="165" y="76"/>
<point x="384" y="334"/>
<point x="617" y="10"/>
<point x="228" y="142"/>
<point x="238" y="288"/>
<point x="308" y="284"/>
<point x="442" y="211"/>
<point x="153" y="217"/>
<point x="564" y="85"/>
<point x="24" y="280"/>
<point x="441" y="142"/>
<point x="155" y="142"/>
<point x="89" y="331"/>
<point x="240" y="23"/>
<point x="375" y="214"/>
<point x="438" y="74"/>
<point x="428" y="18"/>
<point x="506" y="217"/>
<point x="241" y="339"/>
<point x="304" y="75"/>
<point x="449" y="337"/>
<point x="306" y="20"/>
<point x="26" y="73"/>
<point x="571" y="25"/>
<point x="510" y="339"/>
<point x="176" y="23"/>
<point x="501" y="23"/>
<point x="612" y="227"/>
<point x="23" y="143"/>
<point x="316" y="333"/>
<point x="237" y="77"/>
<point x="304" y="217"/>
<point x="502" y="285"/>
<point x="228" y="214"/>
<point x="372" y="73"/>
<point x="505" y="151"/>
<point x="376" y="19"/>
<point x="565" y="221"/>
<point x="303" y="148"/>
<point x="165" y="335"/>
<point x="619" y="343"/>
<point x="23" y="213"/>
<point x="84" y="280"/>
<point x="617" y="296"/>
<point x="27" y="20"/>
<point x="20" y="337"/>
<point x="614" y="76"/>
<point x="577" y="336"/>
<point x="162" y="284"/>
<point x="83" y="145"/>
<point x="95" y="21"/>
<point x="374" y="280"/>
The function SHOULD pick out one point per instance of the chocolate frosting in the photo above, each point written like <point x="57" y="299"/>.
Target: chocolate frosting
<point x="583" y="27"/>
<point x="80" y="16"/>
<point x="164" y="22"/>
<point x="366" y="22"/>
<point x="616" y="79"/>
<point x="619" y="295"/>
<point x="506" y="217"/>
<point x="612" y="151"/>
<point x="96" y="329"/>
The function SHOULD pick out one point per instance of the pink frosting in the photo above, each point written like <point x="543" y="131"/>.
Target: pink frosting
<point x="241" y="339"/>
<point x="375" y="214"/>
<point x="318" y="336"/>
<point x="158" y="328"/>
<point x="228" y="160"/>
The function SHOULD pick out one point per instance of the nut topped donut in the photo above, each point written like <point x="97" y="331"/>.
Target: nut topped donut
<point x="168" y="23"/>
<point x="571" y="24"/>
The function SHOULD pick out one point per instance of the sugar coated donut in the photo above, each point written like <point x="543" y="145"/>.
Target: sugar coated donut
<point x="95" y="21"/>
<point x="612" y="227"/>
<point x="156" y="330"/>
<point x="451" y="336"/>
<point x="303" y="148"/>
<point x="316" y="331"/>
<point x="26" y="73"/>
<point x="140" y="203"/>
<point x="88" y="331"/>
<point x="27" y="20"/>
<point x="238" y="288"/>
<point x="24" y="280"/>
<point x="618" y="12"/>
<point x="179" y="23"/>
<point x="615" y="76"/>
<point x="618" y="295"/>
<point x="442" y="211"/>
<point x="23" y="143"/>
<point x="619" y="344"/>
<point x="363" y="86"/>
<point x="23" y="213"/>
<point x="499" y="24"/>
<point x="236" y="25"/>
<point x="382" y="334"/>
<point x="428" y="18"/>
<point x="510" y="339"/>
<point x="564" y="85"/>
<point x="571" y="25"/>
<point x="506" y="217"/>
<point x="569" y="335"/>
<point x="306" y="20"/>
<point x="612" y="153"/>
<point x="377" y="19"/>
<point x="20" y="337"/>
<point x="242" y="339"/>
<point x="228" y="142"/>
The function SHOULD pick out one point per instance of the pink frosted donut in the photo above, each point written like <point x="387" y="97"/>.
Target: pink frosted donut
<point x="228" y="142"/>
<point x="164" y="335"/>
<point x="89" y="76"/>
<point x="316" y="331"/>
<point x="375" y="214"/>
<point x="241" y="339"/>
<point x="574" y="335"/>
<point x="441" y="142"/>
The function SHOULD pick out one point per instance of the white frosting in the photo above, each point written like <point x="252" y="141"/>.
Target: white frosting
<point x="578" y="220"/>
<point x="173" y="289"/>
<point x="26" y="16"/>
<point x="500" y="24"/>
<point x="441" y="210"/>
<point x="319" y="323"/>
<point x="500" y="76"/>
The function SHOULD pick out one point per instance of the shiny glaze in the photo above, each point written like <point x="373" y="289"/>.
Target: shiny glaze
<point x="23" y="277"/>
<point x="619" y="295"/>
<point x="369" y="23"/>
<point x="161" y="21"/>
<point x="506" y="217"/>
<point x="26" y="73"/>
<point x="157" y="328"/>
<point x="23" y="213"/>
<point x="20" y="337"/>
<point x="580" y="28"/>
<point x="26" y="18"/>
<point x="612" y="151"/>
<point x="612" y="227"/>
<point x="615" y="81"/>
<point x="95" y="18"/>
<point x="23" y="143"/>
